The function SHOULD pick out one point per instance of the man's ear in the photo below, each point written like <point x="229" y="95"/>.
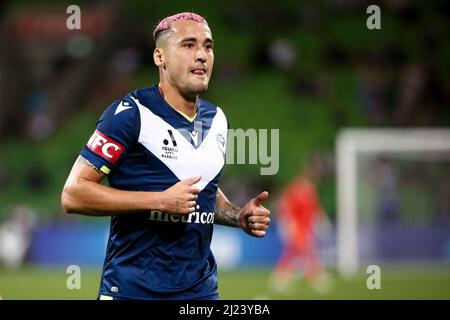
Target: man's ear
<point x="158" y="57"/>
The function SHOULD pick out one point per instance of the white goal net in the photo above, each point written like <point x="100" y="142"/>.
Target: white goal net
<point x="393" y="195"/>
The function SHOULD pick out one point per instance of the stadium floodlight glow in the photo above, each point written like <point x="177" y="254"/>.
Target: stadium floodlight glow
<point x="350" y="144"/>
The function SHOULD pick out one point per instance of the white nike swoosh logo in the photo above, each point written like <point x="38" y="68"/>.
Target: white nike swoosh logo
<point x="121" y="107"/>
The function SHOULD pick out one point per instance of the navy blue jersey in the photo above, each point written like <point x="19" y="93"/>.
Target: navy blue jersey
<point x="143" y="144"/>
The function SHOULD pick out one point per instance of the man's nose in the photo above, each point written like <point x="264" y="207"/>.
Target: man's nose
<point x="201" y="55"/>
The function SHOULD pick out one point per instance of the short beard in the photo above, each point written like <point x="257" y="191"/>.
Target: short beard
<point x="190" y="94"/>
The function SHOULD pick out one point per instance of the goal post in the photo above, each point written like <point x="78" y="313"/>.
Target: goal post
<point x="354" y="143"/>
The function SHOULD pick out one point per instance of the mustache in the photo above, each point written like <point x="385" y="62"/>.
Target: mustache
<point x="200" y="66"/>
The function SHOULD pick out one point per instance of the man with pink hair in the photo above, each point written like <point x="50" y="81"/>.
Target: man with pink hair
<point x="166" y="23"/>
<point x="163" y="150"/>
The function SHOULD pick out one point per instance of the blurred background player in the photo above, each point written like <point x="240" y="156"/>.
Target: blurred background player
<point x="299" y="217"/>
<point x="15" y="236"/>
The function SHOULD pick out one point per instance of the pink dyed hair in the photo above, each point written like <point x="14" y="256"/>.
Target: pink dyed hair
<point x="166" y="23"/>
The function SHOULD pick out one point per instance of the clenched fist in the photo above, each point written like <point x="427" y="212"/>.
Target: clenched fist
<point x="181" y="197"/>
<point x="253" y="218"/>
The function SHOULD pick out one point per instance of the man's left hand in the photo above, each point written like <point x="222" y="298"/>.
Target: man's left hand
<point x="254" y="219"/>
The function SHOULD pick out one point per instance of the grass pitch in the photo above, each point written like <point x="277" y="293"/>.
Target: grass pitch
<point x="417" y="282"/>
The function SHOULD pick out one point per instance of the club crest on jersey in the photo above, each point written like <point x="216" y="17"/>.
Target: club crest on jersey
<point x="105" y="147"/>
<point x="169" y="149"/>
<point x="221" y="143"/>
<point x="194" y="136"/>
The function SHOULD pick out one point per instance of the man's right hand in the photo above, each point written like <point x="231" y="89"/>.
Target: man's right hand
<point x="181" y="197"/>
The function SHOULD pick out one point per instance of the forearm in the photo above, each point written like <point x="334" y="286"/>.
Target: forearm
<point x="253" y="218"/>
<point x="84" y="194"/>
<point x="91" y="198"/>
<point x="226" y="213"/>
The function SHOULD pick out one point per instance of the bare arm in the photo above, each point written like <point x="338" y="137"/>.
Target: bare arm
<point x="226" y="213"/>
<point x="253" y="218"/>
<point x="84" y="194"/>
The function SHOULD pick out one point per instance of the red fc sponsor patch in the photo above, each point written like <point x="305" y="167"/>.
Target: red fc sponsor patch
<point x="105" y="147"/>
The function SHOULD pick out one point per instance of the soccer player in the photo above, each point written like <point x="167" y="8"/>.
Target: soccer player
<point x="163" y="150"/>
<point x="299" y="212"/>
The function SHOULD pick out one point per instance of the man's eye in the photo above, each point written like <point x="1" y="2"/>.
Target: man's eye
<point x="189" y="45"/>
<point x="209" y="47"/>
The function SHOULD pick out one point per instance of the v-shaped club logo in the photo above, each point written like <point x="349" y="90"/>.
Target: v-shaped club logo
<point x="169" y="149"/>
<point x="221" y="143"/>
<point x="194" y="136"/>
